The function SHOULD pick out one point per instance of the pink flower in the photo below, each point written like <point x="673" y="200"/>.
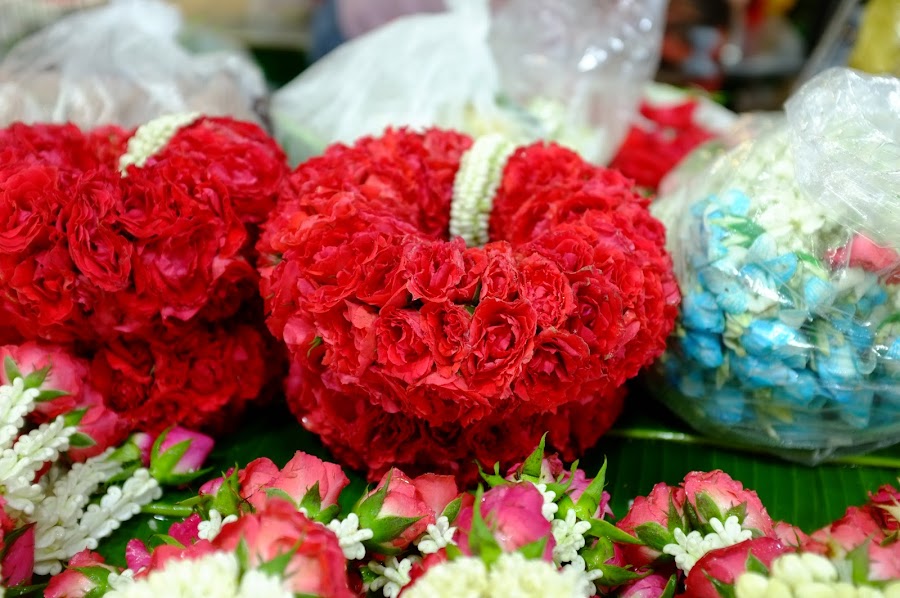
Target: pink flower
<point x="17" y="565"/>
<point x="137" y="557"/>
<point x="317" y="565"/>
<point x="73" y="582"/>
<point x="846" y="534"/>
<point x="178" y="454"/>
<point x="580" y="482"/>
<point x="404" y="499"/>
<point x="186" y="532"/>
<point x="551" y="468"/>
<point x="212" y="486"/>
<point x="662" y="502"/>
<point x="437" y="491"/>
<point x="167" y="552"/>
<point x="651" y="586"/>
<point x="719" y="490"/>
<point x="887" y="507"/>
<point x="726" y="564"/>
<point x="884" y="561"/>
<point x="513" y="514"/>
<point x="790" y="535"/>
<point x="296" y="479"/>
<point x="862" y="252"/>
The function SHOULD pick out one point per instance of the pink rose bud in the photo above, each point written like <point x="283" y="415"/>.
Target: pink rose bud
<point x="17" y="565"/>
<point x="790" y="535"/>
<point x="307" y="481"/>
<point x="395" y="511"/>
<point x="513" y="514"/>
<point x="662" y="505"/>
<point x="86" y="573"/>
<point x="716" y="494"/>
<point x="651" y="586"/>
<point x="438" y="492"/>
<point x="887" y="501"/>
<point x="725" y="565"/>
<point x="848" y="533"/>
<point x="144" y="443"/>
<point x="178" y="454"/>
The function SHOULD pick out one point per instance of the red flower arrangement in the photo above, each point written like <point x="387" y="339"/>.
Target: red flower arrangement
<point x="654" y="147"/>
<point x="147" y="270"/>
<point x="408" y="348"/>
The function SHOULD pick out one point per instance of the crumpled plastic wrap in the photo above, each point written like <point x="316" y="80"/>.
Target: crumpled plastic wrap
<point x="570" y="71"/>
<point x="122" y="64"/>
<point x="789" y="336"/>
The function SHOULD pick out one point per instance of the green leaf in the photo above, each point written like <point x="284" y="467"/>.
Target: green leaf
<point x="614" y="576"/>
<point x="673" y="518"/>
<point x="859" y="563"/>
<point x="534" y="550"/>
<point x="481" y="539"/>
<point x="369" y="508"/>
<point x="99" y="576"/>
<point x="587" y="504"/>
<point x="693" y="519"/>
<point x="312" y="500"/>
<point x="37" y="377"/>
<point x="279" y="493"/>
<point x="11" y="369"/>
<point x="228" y="499"/>
<point x="242" y="552"/>
<point x="278" y="565"/>
<point x="754" y="565"/>
<point x="73" y="418"/>
<point x="81" y="440"/>
<point x="669" y="590"/>
<point x="168" y="540"/>
<point x="604" y="529"/>
<point x="654" y="535"/>
<point x="32" y="590"/>
<point x="385" y="529"/>
<point x="163" y="462"/>
<point x="725" y="590"/>
<point x="326" y="515"/>
<point x="451" y="511"/>
<point x="313" y="344"/>
<point x="739" y="511"/>
<point x="494" y="479"/>
<point x="531" y="469"/>
<point x="708" y="508"/>
<point x="48" y="395"/>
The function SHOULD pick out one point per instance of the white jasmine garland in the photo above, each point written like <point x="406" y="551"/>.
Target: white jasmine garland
<point x="690" y="548"/>
<point x="393" y="576"/>
<point x="209" y="529"/>
<point x="216" y="574"/>
<point x="512" y="575"/>
<point x="152" y="137"/>
<point x="351" y="537"/>
<point x="550" y="507"/>
<point x="437" y="535"/>
<point x="479" y="175"/>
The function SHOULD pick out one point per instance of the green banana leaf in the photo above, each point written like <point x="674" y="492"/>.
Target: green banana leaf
<point x="647" y="446"/>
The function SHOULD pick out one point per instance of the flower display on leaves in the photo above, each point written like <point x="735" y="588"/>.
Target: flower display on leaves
<point x="410" y="349"/>
<point x="788" y="332"/>
<point x="134" y="251"/>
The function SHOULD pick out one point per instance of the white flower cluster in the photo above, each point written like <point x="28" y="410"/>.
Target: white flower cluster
<point x="209" y="529"/>
<point x="152" y="137"/>
<point x="437" y="535"/>
<point x="393" y="576"/>
<point x="569" y="536"/>
<point x="798" y="575"/>
<point x="57" y="504"/>
<point x="690" y="548"/>
<point x="511" y="576"/>
<point x="216" y="574"/>
<point x="479" y="175"/>
<point x="550" y="507"/>
<point x="351" y="537"/>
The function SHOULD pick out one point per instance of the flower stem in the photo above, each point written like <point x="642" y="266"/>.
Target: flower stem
<point x="167" y="509"/>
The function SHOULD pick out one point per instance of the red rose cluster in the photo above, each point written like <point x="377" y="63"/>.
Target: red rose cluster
<point x="413" y="350"/>
<point x="657" y="145"/>
<point x="148" y="274"/>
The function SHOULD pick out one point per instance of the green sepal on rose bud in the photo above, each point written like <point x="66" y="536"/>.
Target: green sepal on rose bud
<point x="384" y="529"/>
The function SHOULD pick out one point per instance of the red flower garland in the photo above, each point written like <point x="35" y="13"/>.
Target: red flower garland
<point x="149" y="273"/>
<point x="409" y="349"/>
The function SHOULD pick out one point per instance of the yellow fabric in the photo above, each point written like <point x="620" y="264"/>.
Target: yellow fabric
<point x="877" y="48"/>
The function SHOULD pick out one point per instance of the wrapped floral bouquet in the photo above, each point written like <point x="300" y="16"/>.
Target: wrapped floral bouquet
<point x="786" y="253"/>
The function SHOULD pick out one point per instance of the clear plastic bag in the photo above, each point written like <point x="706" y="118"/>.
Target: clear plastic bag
<point x="789" y="336"/>
<point x="122" y="64"/>
<point x="439" y="70"/>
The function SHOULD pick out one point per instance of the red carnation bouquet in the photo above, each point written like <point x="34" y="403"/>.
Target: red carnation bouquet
<point x="134" y="249"/>
<point x="410" y="348"/>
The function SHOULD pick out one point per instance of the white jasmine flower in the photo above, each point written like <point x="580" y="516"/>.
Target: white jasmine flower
<point x="350" y="536"/>
<point x="550" y="507"/>
<point x="437" y="535"/>
<point x="479" y="175"/>
<point x="152" y="137"/>
<point x="690" y="548"/>
<point x="256" y="584"/>
<point x="569" y="536"/>
<point x="512" y="575"/>
<point x="209" y="529"/>
<point x="392" y="576"/>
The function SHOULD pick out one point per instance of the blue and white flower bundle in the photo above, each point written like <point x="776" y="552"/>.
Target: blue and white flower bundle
<point x="789" y="334"/>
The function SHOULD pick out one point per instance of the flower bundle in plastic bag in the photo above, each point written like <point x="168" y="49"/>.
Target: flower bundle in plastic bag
<point x="569" y="71"/>
<point x="122" y="64"/>
<point x="786" y="253"/>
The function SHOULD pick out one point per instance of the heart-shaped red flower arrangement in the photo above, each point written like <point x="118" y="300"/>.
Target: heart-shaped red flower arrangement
<point x="409" y="348"/>
<point x="135" y="250"/>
